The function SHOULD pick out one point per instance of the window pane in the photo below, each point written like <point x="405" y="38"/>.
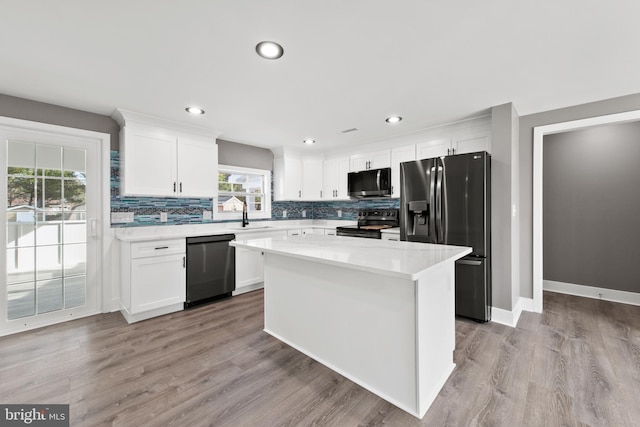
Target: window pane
<point x="50" y="194"/>
<point x="48" y="232"/>
<point x="75" y="259"/>
<point x="20" y="265"/>
<point x="74" y="161"/>
<point x="20" y="233"/>
<point x="75" y="291"/>
<point x="49" y="161"/>
<point x="21" y="300"/>
<point x="49" y="295"/>
<point x="21" y="192"/>
<point x="48" y="262"/>
<point x="75" y="231"/>
<point x="21" y="157"/>
<point x="74" y="194"/>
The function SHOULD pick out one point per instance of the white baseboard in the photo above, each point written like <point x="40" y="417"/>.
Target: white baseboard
<point x="612" y="295"/>
<point x="510" y="318"/>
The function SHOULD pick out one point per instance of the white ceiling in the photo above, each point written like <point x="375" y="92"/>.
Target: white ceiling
<point x="347" y="63"/>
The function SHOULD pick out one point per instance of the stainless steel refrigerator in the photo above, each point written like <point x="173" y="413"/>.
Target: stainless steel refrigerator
<point x="447" y="200"/>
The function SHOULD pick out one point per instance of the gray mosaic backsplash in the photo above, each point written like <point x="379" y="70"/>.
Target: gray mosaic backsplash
<point x="147" y="210"/>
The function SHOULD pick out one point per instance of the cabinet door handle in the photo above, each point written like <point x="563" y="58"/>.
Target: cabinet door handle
<point x="174" y="187"/>
<point x="299" y="193"/>
<point x="162" y="247"/>
<point x="181" y="187"/>
<point x="184" y="262"/>
<point x="321" y="194"/>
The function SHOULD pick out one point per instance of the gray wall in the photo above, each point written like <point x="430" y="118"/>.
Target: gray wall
<point x="248" y="156"/>
<point x="527" y="123"/>
<point x="19" y="108"/>
<point x="591" y="203"/>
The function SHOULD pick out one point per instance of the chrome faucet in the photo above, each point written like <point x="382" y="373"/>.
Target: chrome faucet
<point x="245" y="215"/>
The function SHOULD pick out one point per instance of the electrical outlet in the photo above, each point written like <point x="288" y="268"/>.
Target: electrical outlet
<point x="206" y="215"/>
<point x="284" y="213"/>
<point x="163" y="217"/>
<point x="121" y="217"/>
<point x="339" y="213"/>
<point x="304" y="214"/>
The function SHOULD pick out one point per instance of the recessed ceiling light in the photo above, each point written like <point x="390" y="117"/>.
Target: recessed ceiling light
<point x="269" y="50"/>
<point x="393" y="119"/>
<point x="309" y="141"/>
<point x="194" y="110"/>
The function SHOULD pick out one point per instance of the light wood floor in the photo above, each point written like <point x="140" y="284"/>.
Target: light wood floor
<point x="577" y="364"/>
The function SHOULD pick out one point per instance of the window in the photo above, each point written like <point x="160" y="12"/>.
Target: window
<point x="237" y="186"/>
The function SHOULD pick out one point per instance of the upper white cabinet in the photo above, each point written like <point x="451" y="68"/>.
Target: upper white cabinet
<point x="312" y="182"/>
<point x="371" y="160"/>
<point x="433" y="148"/>
<point x="335" y="178"/>
<point x="470" y="144"/>
<point x="166" y="159"/>
<point x="399" y="155"/>
<point x="287" y="178"/>
<point x="296" y="177"/>
<point x="197" y="168"/>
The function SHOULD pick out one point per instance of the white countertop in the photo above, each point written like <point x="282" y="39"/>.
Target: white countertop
<point x="393" y="230"/>
<point x="406" y="260"/>
<point x="139" y="234"/>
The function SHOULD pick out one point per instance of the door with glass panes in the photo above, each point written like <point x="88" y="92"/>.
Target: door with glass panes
<point x="50" y="185"/>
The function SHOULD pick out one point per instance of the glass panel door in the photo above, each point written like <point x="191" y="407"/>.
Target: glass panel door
<point x="49" y="254"/>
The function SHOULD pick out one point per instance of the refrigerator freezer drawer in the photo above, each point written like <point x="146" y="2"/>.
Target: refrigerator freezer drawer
<point x="473" y="288"/>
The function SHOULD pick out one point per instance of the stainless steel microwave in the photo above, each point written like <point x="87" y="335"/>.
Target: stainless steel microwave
<point x="370" y="183"/>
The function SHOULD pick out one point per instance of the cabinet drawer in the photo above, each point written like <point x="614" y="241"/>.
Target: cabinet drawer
<point x="158" y="248"/>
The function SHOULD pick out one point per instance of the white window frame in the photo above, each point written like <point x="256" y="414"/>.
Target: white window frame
<point x="266" y="183"/>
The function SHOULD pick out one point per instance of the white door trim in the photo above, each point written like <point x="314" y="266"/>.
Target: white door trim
<point x="103" y="141"/>
<point x="538" y="138"/>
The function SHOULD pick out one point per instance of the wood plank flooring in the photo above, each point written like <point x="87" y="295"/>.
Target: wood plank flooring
<point x="577" y="364"/>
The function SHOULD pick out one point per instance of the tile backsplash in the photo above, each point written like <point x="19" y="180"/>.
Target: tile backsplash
<point x="146" y="210"/>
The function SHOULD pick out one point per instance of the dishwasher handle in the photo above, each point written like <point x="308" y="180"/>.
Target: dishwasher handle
<point x="210" y="239"/>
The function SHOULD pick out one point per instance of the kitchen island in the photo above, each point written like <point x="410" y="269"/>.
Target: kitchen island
<point x="380" y="313"/>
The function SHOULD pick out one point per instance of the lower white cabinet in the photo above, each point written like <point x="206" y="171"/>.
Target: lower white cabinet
<point x="249" y="264"/>
<point x="153" y="278"/>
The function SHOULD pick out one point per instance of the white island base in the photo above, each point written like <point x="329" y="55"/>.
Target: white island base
<point x="391" y="332"/>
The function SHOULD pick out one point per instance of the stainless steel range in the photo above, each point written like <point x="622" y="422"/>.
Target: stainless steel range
<point x="370" y="222"/>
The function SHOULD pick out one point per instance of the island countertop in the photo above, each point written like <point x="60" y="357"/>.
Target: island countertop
<point x="404" y="260"/>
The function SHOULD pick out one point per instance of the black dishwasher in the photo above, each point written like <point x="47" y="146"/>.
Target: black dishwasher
<point x="211" y="268"/>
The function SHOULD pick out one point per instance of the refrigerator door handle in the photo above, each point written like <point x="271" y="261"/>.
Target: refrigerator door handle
<point x="439" y="225"/>
<point x="432" y="205"/>
<point x="378" y="180"/>
<point x="468" y="262"/>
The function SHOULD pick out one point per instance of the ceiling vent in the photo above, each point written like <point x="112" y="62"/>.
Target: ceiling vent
<point x="349" y="130"/>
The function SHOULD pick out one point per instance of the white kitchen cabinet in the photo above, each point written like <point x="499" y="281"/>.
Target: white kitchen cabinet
<point x="464" y="144"/>
<point x="197" y="168"/>
<point x="371" y="160"/>
<point x="296" y="177"/>
<point x="330" y="232"/>
<point x="312" y="185"/>
<point x="399" y="155"/>
<point x="287" y="178"/>
<point x="157" y="159"/>
<point x="294" y="232"/>
<point x="433" y="148"/>
<point x="153" y="278"/>
<point x="335" y="179"/>
<point x="460" y="143"/>
<point x="249" y="264"/>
